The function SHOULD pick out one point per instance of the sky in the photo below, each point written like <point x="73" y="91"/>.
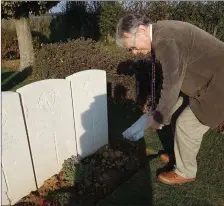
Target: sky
<point x="58" y="7"/>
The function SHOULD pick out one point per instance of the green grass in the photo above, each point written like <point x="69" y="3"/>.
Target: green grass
<point x="144" y="189"/>
<point x="12" y="80"/>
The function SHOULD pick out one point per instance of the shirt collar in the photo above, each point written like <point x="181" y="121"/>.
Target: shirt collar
<point x="150" y="31"/>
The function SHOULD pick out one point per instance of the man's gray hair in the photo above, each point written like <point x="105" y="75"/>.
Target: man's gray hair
<point x="129" y="24"/>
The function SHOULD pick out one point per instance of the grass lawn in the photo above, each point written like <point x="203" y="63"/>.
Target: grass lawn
<point x="144" y="189"/>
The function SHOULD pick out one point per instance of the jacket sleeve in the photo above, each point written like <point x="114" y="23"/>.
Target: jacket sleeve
<point x="168" y="55"/>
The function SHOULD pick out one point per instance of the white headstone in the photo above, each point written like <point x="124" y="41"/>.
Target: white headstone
<point x="18" y="180"/>
<point x="89" y="94"/>
<point x="5" y="198"/>
<point x="49" y="116"/>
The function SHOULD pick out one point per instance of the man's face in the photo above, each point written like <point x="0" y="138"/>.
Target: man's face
<point x="138" y="42"/>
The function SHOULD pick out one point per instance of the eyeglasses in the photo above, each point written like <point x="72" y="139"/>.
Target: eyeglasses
<point x="134" y="42"/>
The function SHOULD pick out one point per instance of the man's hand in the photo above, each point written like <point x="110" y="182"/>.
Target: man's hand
<point x="145" y="108"/>
<point x="153" y="124"/>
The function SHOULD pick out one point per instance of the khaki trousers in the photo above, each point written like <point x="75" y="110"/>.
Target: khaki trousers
<point x="187" y="141"/>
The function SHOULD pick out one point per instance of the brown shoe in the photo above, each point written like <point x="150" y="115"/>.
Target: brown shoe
<point x="172" y="178"/>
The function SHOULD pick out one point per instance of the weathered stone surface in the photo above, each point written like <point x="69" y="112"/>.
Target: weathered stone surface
<point x="90" y="110"/>
<point x="49" y="116"/>
<point x="18" y="179"/>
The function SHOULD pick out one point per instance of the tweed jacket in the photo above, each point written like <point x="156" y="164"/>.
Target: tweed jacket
<point x="192" y="62"/>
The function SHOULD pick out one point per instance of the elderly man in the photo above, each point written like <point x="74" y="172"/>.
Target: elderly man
<point x="192" y="62"/>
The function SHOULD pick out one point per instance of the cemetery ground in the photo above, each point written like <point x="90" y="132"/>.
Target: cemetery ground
<point x="124" y="172"/>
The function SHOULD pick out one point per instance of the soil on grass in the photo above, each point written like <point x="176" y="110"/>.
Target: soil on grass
<point x="103" y="172"/>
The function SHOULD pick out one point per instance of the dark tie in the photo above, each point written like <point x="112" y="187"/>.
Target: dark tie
<point x="153" y="106"/>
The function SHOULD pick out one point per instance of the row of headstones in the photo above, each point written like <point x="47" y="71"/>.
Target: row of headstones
<point x="45" y="123"/>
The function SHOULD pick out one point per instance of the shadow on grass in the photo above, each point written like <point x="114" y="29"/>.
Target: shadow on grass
<point x="122" y="113"/>
<point x="16" y="79"/>
<point x="6" y="75"/>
